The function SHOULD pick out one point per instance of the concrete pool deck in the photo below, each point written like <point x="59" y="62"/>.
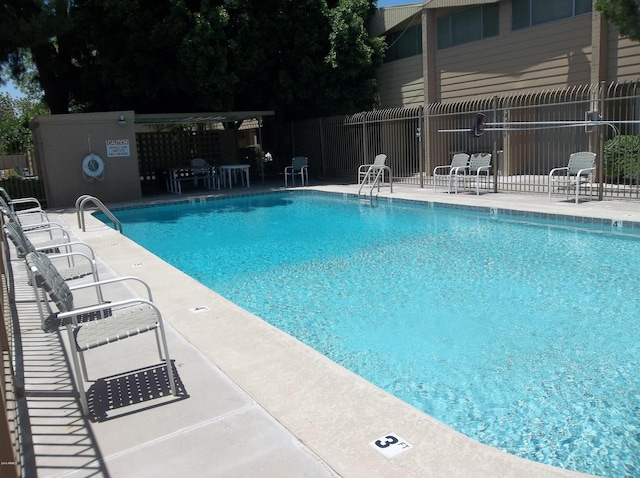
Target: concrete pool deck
<point x="253" y="401"/>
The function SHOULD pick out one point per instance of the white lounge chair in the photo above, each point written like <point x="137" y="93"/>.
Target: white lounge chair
<point x="368" y="172"/>
<point x="578" y="172"/>
<point x="101" y="323"/>
<point x="299" y="167"/>
<point x="451" y="172"/>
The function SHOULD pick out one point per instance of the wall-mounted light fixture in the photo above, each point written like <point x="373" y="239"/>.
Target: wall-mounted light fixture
<point x="122" y="120"/>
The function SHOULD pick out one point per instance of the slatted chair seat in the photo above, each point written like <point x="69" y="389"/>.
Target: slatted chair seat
<point x="119" y="325"/>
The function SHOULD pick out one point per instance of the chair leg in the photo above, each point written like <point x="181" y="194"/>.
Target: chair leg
<point x="172" y="381"/>
<point x="78" y="373"/>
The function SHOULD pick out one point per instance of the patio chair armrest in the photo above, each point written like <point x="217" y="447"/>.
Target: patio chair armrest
<point x="363" y="168"/>
<point x="46" y="229"/>
<point x="447" y="166"/>
<point x="483" y="168"/>
<point x="114" y="281"/>
<point x="582" y="172"/>
<point x="458" y="170"/>
<point x="69" y="246"/>
<point x="70" y="318"/>
<point x="287" y="169"/>
<point x="63" y="255"/>
<point x="555" y="170"/>
<point x="27" y="200"/>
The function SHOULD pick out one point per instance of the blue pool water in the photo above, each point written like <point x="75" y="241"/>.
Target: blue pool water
<point x="522" y="335"/>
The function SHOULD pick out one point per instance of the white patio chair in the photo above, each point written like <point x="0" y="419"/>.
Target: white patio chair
<point x="101" y="323"/>
<point x="368" y="172"/>
<point x="299" y="167"/>
<point x="452" y="172"/>
<point x="201" y="169"/>
<point x="478" y="171"/>
<point x="578" y="172"/>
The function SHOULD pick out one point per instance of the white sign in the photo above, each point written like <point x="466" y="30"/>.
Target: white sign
<point x="117" y="148"/>
<point x="390" y="445"/>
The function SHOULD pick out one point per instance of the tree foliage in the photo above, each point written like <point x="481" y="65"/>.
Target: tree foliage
<point x="624" y="14"/>
<point x="301" y="58"/>
<point x="15" y="116"/>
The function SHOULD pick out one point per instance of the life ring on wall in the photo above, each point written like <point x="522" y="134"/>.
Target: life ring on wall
<point x="92" y="166"/>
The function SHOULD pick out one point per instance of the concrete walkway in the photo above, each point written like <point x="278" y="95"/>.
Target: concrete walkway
<point x="253" y="401"/>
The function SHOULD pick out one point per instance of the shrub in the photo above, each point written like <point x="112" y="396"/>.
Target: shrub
<point x="621" y="161"/>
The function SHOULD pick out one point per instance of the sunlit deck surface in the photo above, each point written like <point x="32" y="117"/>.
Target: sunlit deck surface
<point x="253" y="401"/>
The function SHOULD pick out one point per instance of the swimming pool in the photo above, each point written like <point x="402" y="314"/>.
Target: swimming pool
<point x="518" y="333"/>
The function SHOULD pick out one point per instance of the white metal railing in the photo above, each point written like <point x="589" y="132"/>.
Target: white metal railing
<point x="377" y="180"/>
<point x="86" y="198"/>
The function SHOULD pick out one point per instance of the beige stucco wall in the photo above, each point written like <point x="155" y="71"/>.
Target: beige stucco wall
<point x="63" y="141"/>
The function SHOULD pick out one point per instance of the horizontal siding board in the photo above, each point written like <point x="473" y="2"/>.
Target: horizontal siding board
<point x="561" y="56"/>
<point x="623" y="58"/>
<point x="400" y="83"/>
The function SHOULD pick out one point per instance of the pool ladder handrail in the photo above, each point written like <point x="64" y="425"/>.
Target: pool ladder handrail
<point x="376" y="181"/>
<point x="87" y="198"/>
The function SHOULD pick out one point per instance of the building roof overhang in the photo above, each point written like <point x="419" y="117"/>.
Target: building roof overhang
<point x="192" y="118"/>
<point x="455" y="3"/>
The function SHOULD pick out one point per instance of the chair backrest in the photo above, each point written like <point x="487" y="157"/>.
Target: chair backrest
<point x="199" y="166"/>
<point x="47" y="276"/>
<point x="380" y="160"/>
<point x="15" y="233"/>
<point x="299" y="162"/>
<point x="580" y="160"/>
<point x="459" y="160"/>
<point x="5" y="195"/>
<point x="479" y="160"/>
<point x="8" y="211"/>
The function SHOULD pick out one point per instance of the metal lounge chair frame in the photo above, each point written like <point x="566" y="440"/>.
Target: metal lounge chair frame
<point x="578" y="171"/>
<point x="100" y="324"/>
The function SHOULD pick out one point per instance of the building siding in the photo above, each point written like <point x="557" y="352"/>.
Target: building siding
<point x="623" y="58"/>
<point x="570" y="52"/>
<point x="400" y="83"/>
<point x="560" y="57"/>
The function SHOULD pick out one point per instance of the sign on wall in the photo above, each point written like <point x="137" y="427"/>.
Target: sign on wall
<point x="117" y="148"/>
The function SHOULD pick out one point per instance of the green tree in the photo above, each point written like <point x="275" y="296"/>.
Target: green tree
<point x="151" y="56"/>
<point x="301" y="58"/>
<point x="15" y="116"/>
<point x="624" y="14"/>
<point x="353" y="57"/>
<point x="40" y="30"/>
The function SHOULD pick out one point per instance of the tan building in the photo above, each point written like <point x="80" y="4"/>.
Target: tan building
<point x="454" y="50"/>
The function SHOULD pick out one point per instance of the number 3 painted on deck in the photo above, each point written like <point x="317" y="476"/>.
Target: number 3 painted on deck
<point x="390" y="440"/>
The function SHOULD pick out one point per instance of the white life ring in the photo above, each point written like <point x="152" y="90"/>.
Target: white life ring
<point x="92" y="166"/>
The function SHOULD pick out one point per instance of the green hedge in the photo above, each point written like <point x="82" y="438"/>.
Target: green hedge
<point x="621" y="160"/>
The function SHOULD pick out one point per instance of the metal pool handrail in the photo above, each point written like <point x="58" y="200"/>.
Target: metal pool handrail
<point x="86" y="198"/>
<point x="381" y="170"/>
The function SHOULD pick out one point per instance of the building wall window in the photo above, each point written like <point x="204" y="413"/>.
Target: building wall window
<point x="468" y="25"/>
<point x="527" y="13"/>
<point x="404" y="44"/>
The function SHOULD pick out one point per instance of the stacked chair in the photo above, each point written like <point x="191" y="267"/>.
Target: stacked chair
<point x="68" y="292"/>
